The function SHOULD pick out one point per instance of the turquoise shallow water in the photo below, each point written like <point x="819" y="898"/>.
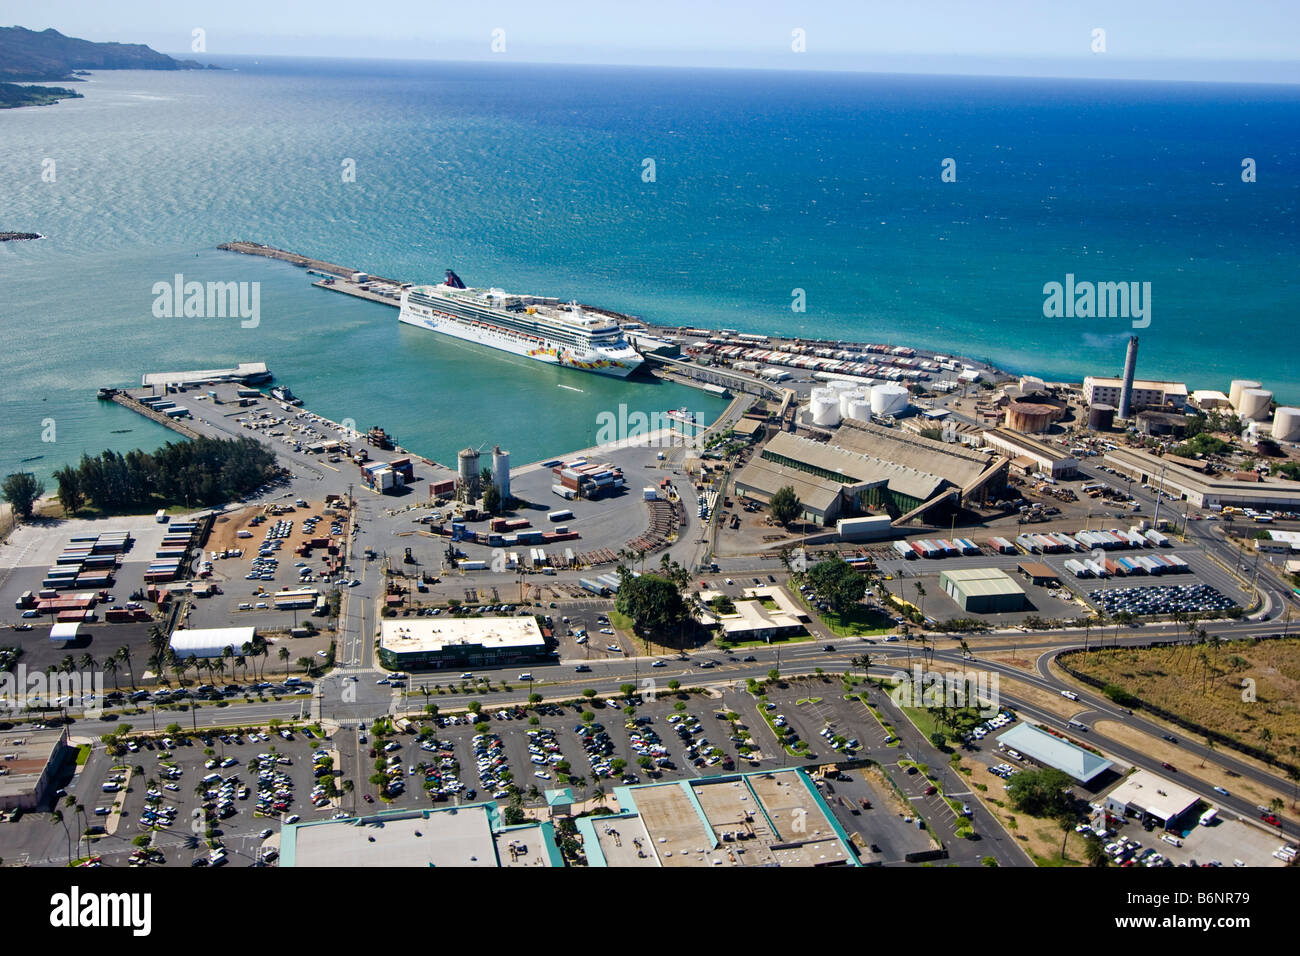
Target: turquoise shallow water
<point x="531" y="178"/>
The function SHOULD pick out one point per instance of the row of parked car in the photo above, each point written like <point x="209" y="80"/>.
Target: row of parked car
<point x="990" y="726"/>
<point x="491" y="762"/>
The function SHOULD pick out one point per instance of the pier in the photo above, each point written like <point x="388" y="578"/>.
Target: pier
<point x="904" y="364"/>
<point x="126" y="401"/>
<point x="293" y="258"/>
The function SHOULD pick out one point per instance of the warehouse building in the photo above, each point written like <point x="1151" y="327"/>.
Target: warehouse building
<point x="460" y="642"/>
<point x="983" y="590"/>
<point x="1038" y="573"/>
<point x="210" y="641"/>
<point x="1045" y="458"/>
<point x="1200" y="489"/>
<point x="867" y="467"/>
<point x="1049" y="750"/>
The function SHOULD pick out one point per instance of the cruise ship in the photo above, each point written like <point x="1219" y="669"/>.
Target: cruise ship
<point x="535" y="327"/>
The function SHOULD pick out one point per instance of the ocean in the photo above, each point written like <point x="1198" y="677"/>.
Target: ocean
<point x="698" y="197"/>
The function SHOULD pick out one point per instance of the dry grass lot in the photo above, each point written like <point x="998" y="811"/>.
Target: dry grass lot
<point x="1041" y="839"/>
<point x="1204" y="684"/>
<point x="1209" y="773"/>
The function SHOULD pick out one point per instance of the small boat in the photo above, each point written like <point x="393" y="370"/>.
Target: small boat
<point x="34" y="458"/>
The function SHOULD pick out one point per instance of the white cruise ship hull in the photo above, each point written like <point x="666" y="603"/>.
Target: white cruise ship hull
<point x="618" y="364"/>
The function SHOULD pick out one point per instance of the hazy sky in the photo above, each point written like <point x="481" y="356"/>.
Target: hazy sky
<point x="1176" y="39"/>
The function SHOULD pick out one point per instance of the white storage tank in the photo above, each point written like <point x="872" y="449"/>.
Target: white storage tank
<point x="825" y="406"/>
<point x="1238" y="386"/>
<point x="501" y="472"/>
<point x="847" y="398"/>
<point x="1286" y="424"/>
<point x="860" y="407"/>
<point x="1255" y="403"/>
<point x="888" y="399"/>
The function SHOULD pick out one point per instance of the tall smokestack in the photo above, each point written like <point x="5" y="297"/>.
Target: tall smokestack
<point x="1130" y="369"/>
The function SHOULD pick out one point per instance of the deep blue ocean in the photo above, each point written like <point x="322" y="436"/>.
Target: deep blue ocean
<point x="533" y="178"/>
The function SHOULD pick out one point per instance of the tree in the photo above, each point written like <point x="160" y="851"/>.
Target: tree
<point x="284" y="655"/>
<point x="22" y="490"/>
<point x="1040" y="793"/>
<point x="785" y="505"/>
<point x="653" y="603"/>
<point x="838" y="583"/>
<point x="1094" y="851"/>
<point x="70" y="496"/>
<point x="492" y="498"/>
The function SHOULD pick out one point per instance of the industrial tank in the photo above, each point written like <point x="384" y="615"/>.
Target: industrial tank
<point x="825" y="406"/>
<point x="860" y="407"/>
<point x="1029" y="417"/>
<point x="1255" y="403"/>
<point x="1286" y="424"/>
<point x="888" y="399"/>
<point x="1238" y="386"/>
<point x="501" y="472"/>
<point x="467" y="471"/>
<point x="848" y="399"/>
<point x="1101" y="417"/>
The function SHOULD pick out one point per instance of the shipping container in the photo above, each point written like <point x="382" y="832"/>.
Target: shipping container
<point x="563" y="515"/>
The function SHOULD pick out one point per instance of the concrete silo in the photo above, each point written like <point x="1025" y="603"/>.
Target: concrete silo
<point x="501" y="472"/>
<point x="467" y="472"/>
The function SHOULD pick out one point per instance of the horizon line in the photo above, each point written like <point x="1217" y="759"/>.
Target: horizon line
<point x="189" y="56"/>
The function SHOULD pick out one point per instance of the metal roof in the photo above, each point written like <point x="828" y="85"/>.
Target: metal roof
<point x="982" y="581"/>
<point x="1051" y="751"/>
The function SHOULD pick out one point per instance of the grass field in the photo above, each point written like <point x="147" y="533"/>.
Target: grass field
<point x="1248" y="690"/>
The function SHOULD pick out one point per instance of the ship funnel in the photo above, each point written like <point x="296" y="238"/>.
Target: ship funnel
<point x="454" y="280"/>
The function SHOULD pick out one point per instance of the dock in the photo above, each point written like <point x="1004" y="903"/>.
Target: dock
<point x="126" y="401"/>
<point x="293" y="258"/>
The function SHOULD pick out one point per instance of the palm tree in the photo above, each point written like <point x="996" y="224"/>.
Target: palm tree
<point x="86" y="662"/>
<point x="56" y="816"/>
<point x="284" y="655"/>
<point x="110" y="665"/>
<point x="1066" y="822"/>
<point x="124" y="655"/>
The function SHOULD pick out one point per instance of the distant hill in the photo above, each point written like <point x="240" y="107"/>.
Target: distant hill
<point x="27" y="55"/>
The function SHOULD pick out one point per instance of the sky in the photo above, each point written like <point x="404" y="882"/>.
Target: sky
<point x="1250" y="40"/>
